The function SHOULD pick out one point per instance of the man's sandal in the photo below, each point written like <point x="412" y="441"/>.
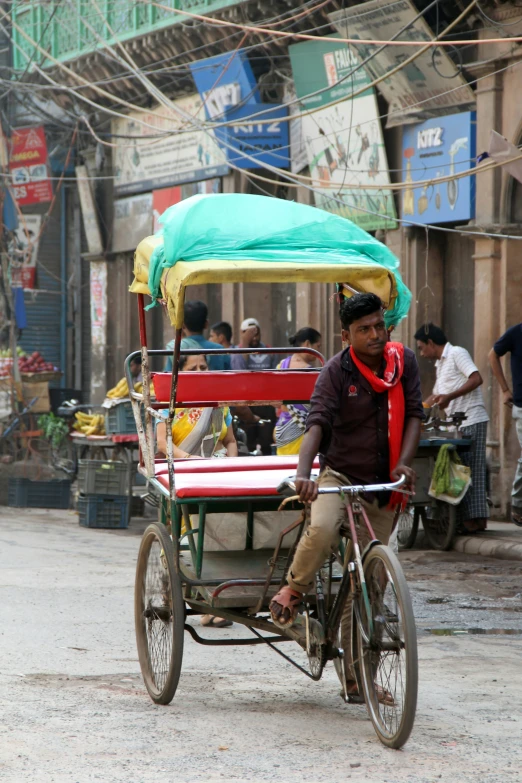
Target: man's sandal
<point x="284" y="606"/>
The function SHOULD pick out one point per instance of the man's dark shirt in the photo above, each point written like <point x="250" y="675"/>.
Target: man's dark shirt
<point x="354" y="418"/>
<point x="511" y="342"/>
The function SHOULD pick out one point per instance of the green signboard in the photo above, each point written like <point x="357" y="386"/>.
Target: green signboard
<point x="344" y="142"/>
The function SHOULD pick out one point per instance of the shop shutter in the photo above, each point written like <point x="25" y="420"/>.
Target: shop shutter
<point x="44" y="304"/>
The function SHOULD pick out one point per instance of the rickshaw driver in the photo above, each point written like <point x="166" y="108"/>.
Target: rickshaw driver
<point x="365" y="422"/>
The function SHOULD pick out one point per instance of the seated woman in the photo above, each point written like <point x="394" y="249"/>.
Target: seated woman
<point x="291" y="424"/>
<point x="198" y="432"/>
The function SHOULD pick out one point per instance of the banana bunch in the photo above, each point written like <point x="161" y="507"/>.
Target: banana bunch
<point x="89" y="424"/>
<point x="121" y="390"/>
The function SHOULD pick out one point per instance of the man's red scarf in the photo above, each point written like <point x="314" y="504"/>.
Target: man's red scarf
<point x="391" y="383"/>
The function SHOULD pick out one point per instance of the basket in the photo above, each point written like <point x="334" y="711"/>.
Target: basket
<point x="99" y="477"/>
<point x="119" y="419"/>
<point x="24" y="493"/>
<point x="103" y="511"/>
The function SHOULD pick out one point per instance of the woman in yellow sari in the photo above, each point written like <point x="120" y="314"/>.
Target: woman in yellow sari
<point x="199" y="432"/>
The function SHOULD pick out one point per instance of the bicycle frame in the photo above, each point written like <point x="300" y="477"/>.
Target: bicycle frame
<point x="353" y="508"/>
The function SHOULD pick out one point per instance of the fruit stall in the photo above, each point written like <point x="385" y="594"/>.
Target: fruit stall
<point x="35" y="376"/>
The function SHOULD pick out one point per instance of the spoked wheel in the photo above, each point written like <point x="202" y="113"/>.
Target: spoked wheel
<point x="441" y="526"/>
<point x="388" y="650"/>
<point x="408" y="527"/>
<point x="159" y="615"/>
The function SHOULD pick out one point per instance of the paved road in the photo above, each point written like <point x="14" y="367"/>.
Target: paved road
<point x="74" y="707"/>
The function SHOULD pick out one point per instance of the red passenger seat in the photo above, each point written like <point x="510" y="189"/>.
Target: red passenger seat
<point x="246" y="483"/>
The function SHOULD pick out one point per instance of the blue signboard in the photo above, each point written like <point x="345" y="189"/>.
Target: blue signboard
<point x="225" y="81"/>
<point x="434" y="149"/>
<point x="251" y="145"/>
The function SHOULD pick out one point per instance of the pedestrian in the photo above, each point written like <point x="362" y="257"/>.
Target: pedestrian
<point x="365" y="422"/>
<point x="260" y="420"/>
<point x="251" y="338"/>
<point x="457" y="390"/>
<point x="511" y="342"/>
<point x="195" y="321"/>
<point x="221" y="333"/>
<point x="291" y="424"/>
<point x="135" y="369"/>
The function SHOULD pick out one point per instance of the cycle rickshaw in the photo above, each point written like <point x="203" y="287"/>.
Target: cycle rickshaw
<point x="177" y="573"/>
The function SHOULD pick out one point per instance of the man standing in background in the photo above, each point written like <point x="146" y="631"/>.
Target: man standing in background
<point x="511" y="342"/>
<point x="194" y="324"/>
<point x="457" y="390"/>
<point x="259" y="421"/>
<point x="221" y="334"/>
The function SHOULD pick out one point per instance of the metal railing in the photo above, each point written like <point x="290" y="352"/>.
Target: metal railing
<point x="69" y="29"/>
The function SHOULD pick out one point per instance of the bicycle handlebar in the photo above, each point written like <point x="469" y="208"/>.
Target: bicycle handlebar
<point x="351" y="489"/>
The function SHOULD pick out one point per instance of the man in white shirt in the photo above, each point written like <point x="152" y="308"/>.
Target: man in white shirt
<point x="457" y="390"/>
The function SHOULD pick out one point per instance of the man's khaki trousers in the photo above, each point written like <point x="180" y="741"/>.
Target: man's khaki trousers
<point x="322" y="538"/>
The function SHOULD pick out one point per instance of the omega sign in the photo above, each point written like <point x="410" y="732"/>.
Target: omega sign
<point x="429" y="137"/>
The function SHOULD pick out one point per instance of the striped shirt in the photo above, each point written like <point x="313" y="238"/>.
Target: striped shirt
<point x="453" y="370"/>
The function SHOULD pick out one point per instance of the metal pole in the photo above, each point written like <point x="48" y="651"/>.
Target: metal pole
<point x="63" y="285"/>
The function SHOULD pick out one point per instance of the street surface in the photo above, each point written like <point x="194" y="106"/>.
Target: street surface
<point x="74" y="707"/>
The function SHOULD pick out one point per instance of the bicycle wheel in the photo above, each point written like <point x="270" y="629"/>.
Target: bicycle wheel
<point x="159" y="615"/>
<point x="441" y="527"/>
<point x="388" y="650"/>
<point x="408" y="527"/>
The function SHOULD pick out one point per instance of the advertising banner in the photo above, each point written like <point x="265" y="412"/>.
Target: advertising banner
<point x="132" y="221"/>
<point x="437" y="148"/>
<point x="344" y="142"/>
<point x="225" y="81"/>
<point x="430" y="83"/>
<point x="28" y="166"/>
<point x="98" y="282"/>
<point x="24" y="248"/>
<point x="265" y="144"/>
<point x="153" y="157"/>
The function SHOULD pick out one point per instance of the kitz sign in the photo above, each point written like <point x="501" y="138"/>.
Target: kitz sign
<point x="251" y="144"/>
<point x="428" y="138"/>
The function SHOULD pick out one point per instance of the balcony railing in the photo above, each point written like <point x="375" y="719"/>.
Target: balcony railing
<point x="68" y="29"/>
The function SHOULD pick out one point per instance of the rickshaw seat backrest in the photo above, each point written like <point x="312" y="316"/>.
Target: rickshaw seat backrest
<point x="244" y="387"/>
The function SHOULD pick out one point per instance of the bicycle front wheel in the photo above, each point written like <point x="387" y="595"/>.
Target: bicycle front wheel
<point x="388" y="649"/>
<point x="159" y="615"/>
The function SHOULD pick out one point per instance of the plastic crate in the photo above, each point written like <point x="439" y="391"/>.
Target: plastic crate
<point x="119" y="420"/>
<point x="100" y="477"/>
<point x="103" y="511"/>
<point x="25" y="493"/>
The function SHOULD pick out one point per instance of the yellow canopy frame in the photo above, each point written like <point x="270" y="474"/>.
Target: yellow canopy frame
<point x="353" y="277"/>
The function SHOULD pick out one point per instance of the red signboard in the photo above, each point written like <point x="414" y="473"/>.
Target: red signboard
<point x="162" y="200"/>
<point x="28" y="165"/>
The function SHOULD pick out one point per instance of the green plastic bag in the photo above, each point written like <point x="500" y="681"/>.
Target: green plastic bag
<point x="451" y="479"/>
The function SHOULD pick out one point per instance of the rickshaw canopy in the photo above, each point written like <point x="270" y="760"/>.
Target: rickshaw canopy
<point x="239" y="238"/>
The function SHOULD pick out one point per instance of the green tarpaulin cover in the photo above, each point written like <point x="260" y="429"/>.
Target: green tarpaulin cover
<point x="240" y="227"/>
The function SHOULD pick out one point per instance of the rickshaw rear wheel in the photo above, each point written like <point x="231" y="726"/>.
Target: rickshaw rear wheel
<point x="159" y="613"/>
<point x="441" y="531"/>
